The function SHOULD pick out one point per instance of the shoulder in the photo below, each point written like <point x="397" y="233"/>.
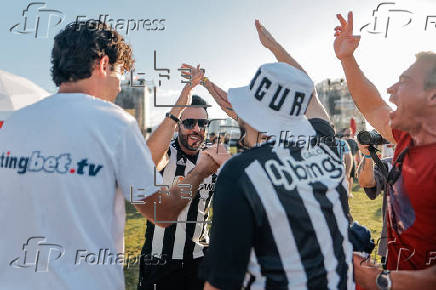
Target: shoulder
<point x="235" y="167"/>
<point x="322" y="127"/>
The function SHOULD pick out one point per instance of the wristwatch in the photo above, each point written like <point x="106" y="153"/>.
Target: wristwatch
<point x="172" y="117"/>
<point x="383" y="280"/>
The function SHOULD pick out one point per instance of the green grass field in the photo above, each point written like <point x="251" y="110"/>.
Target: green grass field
<point x="367" y="212"/>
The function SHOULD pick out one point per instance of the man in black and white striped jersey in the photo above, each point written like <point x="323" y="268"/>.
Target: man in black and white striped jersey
<point x="280" y="214"/>
<point x="170" y="256"/>
<point x="278" y="221"/>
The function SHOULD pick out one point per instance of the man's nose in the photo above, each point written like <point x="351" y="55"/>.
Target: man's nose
<point x="391" y="91"/>
<point x="196" y="128"/>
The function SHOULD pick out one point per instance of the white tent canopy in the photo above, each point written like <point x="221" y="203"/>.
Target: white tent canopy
<point x="17" y="92"/>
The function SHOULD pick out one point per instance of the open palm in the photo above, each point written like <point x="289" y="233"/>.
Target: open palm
<point x="265" y="36"/>
<point x="345" y="42"/>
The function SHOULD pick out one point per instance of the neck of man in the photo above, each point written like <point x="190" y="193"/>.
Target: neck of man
<point x="425" y="132"/>
<point x="84" y="86"/>
<point x="186" y="150"/>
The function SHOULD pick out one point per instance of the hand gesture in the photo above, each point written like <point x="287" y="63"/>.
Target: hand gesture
<point x="218" y="153"/>
<point x="345" y="42"/>
<point x="265" y="37"/>
<point x="220" y="97"/>
<point x="206" y="164"/>
<point x="195" y="75"/>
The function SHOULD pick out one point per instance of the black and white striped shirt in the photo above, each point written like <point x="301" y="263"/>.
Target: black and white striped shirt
<point x="279" y="221"/>
<point x="181" y="241"/>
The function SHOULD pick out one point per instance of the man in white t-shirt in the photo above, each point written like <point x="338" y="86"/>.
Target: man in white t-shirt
<point x="66" y="164"/>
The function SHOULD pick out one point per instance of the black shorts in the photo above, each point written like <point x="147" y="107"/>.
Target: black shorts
<point x="174" y="274"/>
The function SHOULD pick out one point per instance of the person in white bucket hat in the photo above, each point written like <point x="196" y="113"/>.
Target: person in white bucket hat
<point x="276" y="100"/>
<point x="279" y="221"/>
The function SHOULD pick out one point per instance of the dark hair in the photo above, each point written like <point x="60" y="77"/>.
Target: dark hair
<point x="80" y="44"/>
<point x="199" y="101"/>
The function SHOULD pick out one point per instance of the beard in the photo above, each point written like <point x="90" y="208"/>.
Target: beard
<point x="195" y="146"/>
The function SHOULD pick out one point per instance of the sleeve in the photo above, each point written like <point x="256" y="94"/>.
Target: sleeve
<point x="343" y="147"/>
<point x="135" y="170"/>
<point x="373" y="192"/>
<point x="232" y="235"/>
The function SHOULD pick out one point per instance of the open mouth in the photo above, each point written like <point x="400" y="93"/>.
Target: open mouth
<point x="195" y="138"/>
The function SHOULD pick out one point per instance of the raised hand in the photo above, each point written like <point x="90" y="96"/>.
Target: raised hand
<point x="195" y="75"/>
<point x="218" y="153"/>
<point x="265" y="37"/>
<point x="345" y="42"/>
<point x="220" y="96"/>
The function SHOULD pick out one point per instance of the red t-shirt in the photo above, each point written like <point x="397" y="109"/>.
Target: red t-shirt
<point x="412" y="208"/>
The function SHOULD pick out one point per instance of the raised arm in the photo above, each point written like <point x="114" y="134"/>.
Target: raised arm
<point x="219" y="95"/>
<point x="315" y="109"/>
<point x="160" y="139"/>
<point x="269" y="42"/>
<point x="365" y="172"/>
<point x="364" y="93"/>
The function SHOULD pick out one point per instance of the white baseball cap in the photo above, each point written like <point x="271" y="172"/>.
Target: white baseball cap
<point x="275" y="101"/>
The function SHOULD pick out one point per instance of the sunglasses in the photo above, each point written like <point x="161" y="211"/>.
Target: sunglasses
<point x="190" y="123"/>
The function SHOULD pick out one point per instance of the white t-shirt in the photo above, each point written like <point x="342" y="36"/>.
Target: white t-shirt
<point x="65" y="164"/>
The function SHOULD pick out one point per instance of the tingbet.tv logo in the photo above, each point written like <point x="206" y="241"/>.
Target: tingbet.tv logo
<point x="37" y="162"/>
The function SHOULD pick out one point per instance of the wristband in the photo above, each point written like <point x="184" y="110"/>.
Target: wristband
<point x="205" y="79"/>
<point x="172" y="117"/>
<point x="367" y="156"/>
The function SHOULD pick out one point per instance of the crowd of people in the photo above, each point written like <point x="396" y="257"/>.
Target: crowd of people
<point x="281" y="218"/>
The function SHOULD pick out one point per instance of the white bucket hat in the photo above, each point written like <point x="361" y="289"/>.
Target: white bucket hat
<point x="275" y="101"/>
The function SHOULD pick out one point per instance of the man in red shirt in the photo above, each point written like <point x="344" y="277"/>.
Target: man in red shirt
<point x="412" y="193"/>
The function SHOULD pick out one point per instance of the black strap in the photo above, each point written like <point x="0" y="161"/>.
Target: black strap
<point x="378" y="162"/>
<point x="172" y="117"/>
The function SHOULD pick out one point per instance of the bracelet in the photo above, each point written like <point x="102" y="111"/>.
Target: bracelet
<point x="205" y="79"/>
<point x="172" y="117"/>
<point x="367" y="156"/>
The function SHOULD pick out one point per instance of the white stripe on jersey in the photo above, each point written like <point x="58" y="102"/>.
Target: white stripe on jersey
<point x="169" y="173"/>
<point x="259" y="282"/>
<point x="322" y="231"/>
<point x="280" y="228"/>
<point x="342" y="223"/>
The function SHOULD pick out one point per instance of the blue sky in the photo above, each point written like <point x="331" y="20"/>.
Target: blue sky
<point x="220" y="35"/>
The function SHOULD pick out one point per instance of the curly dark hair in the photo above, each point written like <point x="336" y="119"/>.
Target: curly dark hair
<point x="80" y="44"/>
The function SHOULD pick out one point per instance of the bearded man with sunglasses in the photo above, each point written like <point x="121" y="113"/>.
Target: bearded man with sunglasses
<point x="170" y="256"/>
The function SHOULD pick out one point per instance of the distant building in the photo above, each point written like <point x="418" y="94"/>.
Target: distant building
<point x="133" y="100"/>
<point x="336" y="98"/>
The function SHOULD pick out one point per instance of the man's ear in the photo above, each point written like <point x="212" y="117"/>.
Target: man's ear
<point x="103" y="65"/>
